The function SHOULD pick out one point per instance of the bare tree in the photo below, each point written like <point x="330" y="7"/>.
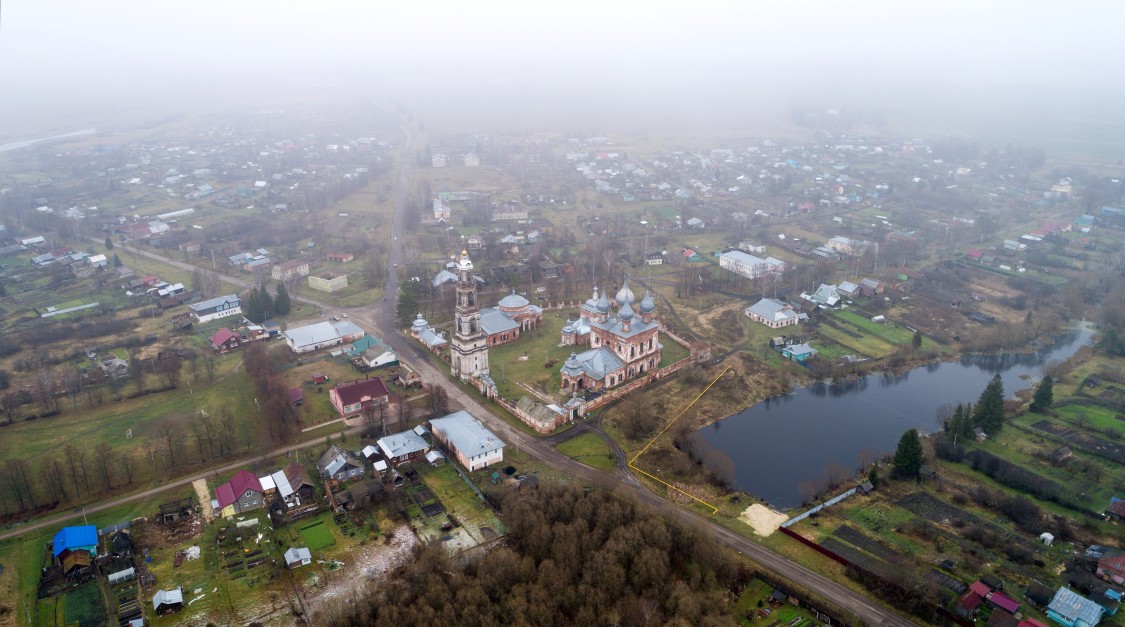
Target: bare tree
<point x="404" y="412"/>
<point x="17" y="474"/>
<point x="10" y="405"/>
<point x="169" y="434"/>
<point x="104" y="456"/>
<point x="209" y="363"/>
<point x="136" y="371"/>
<point x="43" y="382"/>
<point x="128" y="465"/>
<point x="95" y="395"/>
<point x="169" y="365"/>
<point x="52" y="472"/>
<point x="76" y="464"/>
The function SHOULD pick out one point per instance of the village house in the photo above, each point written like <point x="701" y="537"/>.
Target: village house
<point x="472" y="160"/>
<point x="406" y="446"/>
<point x="353" y="398"/>
<point x="339" y="464"/>
<point x="464" y="436"/>
<point x="82" y="538"/>
<point x="799" y="352"/>
<point x="369" y="353"/>
<point x="225" y="340"/>
<point x="1074" y="610"/>
<point x="215" y="308"/>
<point x="438" y="160"/>
<point x="115" y="367"/>
<point x="290" y="270"/>
<point x="242" y="493"/>
<point x="328" y="282"/>
<point x="339" y="257"/>
<point x="773" y="313"/>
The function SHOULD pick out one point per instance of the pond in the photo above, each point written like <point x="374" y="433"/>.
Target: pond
<point x="782" y="442"/>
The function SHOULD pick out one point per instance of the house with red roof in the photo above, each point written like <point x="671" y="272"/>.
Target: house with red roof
<point x="974" y="253"/>
<point x="352" y="398"/>
<point x="225" y="340"/>
<point x="242" y="493"/>
<point x="1112" y="568"/>
<point x="970" y="603"/>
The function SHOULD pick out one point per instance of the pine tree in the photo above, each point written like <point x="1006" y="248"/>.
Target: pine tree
<point x="282" y="304"/>
<point x="267" y="303"/>
<point x="989" y="414"/>
<point x="407" y="303"/>
<point x="916" y="341"/>
<point x="873" y="476"/>
<point x="253" y="307"/>
<point x="116" y="261"/>
<point x="909" y="455"/>
<point x="108" y="243"/>
<point x="1044" y="394"/>
<point x="960" y="425"/>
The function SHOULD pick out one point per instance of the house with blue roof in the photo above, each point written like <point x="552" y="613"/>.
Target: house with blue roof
<point x="82" y="538"/>
<point x="1073" y="610"/>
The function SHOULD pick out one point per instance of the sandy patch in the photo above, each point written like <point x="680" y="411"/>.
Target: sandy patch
<point x="762" y="519"/>
<point x="200" y="486"/>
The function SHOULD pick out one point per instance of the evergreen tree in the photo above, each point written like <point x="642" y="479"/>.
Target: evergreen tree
<point x="253" y="306"/>
<point x="407" y="303"/>
<point x="916" y="341"/>
<point x="989" y="414"/>
<point x="116" y="261"/>
<point x="1044" y="394"/>
<point x="873" y="476"/>
<point x="960" y="425"/>
<point x="108" y="243"/>
<point x="282" y="304"/>
<point x="909" y="455"/>
<point x="267" y="302"/>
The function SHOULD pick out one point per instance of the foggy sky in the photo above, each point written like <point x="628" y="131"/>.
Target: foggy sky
<point x="669" y="61"/>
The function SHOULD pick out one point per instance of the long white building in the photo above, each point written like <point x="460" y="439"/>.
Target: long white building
<point x="748" y="265"/>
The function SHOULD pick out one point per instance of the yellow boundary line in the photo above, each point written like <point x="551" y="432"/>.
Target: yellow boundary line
<point x="714" y="510"/>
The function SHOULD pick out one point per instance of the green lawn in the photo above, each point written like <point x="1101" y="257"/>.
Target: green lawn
<point x="1092" y="417"/>
<point x="509" y="370"/>
<point x="84" y="606"/>
<point x="589" y="449"/>
<point x="868" y="345"/>
<point x="317" y="536"/>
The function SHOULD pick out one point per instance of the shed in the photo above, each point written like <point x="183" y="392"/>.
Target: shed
<point x="435" y="458"/>
<point x="298" y="556"/>
<point x="168" y="601"/>
<point x="1046" y="538"/>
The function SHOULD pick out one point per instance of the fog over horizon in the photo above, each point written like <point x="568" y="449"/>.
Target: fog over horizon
<point x="994" y="68"/>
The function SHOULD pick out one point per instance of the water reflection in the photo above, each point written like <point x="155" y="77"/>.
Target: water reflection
<point x="790" y="439"/>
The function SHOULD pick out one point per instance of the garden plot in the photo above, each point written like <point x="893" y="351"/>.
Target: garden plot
<point x="317" y="536"/>
<point x="854" y="537"/>
<point x="935" y="510"/>
<point x="863" y="560"/>
<point x="1084" y="441"/>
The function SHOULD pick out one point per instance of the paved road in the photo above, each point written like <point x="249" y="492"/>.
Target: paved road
<point x="380" y="318"/>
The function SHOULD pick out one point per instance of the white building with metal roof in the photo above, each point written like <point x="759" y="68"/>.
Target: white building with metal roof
<point x="468" y="440"/>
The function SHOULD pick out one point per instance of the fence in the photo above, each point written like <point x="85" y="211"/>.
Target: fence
<point x="830" y="502"/>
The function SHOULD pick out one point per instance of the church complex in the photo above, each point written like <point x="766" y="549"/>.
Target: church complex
<point x="621" y="336"/>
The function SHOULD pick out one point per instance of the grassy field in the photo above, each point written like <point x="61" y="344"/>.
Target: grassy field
<point x="589" y="449"/>
<point x="1096" y="417"/>
<point x="509" y="370"/>
<point x="317" y="536"/>
<point x="109" y="422"/>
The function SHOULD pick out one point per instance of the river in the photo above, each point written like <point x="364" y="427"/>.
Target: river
<point x="781" y="442"/>
<point x="24" y="143"/>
